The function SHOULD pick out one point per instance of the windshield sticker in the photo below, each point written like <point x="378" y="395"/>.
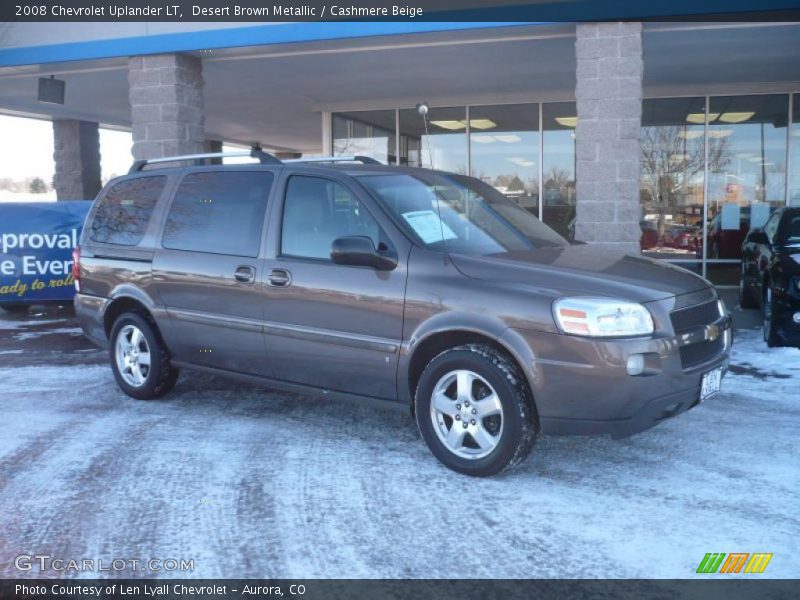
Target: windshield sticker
<point x="428" y="226"/>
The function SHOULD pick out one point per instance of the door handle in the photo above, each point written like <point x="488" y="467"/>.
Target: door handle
<point x="245" y="274"/>
<point x="279" y="278"/>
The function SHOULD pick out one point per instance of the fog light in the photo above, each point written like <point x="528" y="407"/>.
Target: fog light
<point x="635" y="364"/>
<point x="796" y="317"/>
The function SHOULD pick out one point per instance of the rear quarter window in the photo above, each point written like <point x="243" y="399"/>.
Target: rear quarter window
<point x="123" y="213"/>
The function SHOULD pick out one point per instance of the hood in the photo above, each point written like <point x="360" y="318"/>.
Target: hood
<point x="789" y="256"/>
<point x="584" y="270"/>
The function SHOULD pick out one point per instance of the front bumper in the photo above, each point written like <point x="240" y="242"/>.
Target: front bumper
<point x="581" y="386"/>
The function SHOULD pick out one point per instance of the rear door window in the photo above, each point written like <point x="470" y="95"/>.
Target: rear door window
<point x="219" y="212"/>
<point x="123" y="213"/>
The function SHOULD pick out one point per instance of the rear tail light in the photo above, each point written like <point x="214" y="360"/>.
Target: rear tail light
<point x="76" y="267"/>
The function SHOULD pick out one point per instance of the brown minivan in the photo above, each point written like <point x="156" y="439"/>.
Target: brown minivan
<point x="401" y="286"/>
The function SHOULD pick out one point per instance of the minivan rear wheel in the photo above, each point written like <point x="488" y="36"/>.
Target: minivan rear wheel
<point x="139" y="359"/>
<point x="474" y="410"/>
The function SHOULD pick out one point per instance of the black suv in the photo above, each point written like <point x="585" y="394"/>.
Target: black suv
<point x="770" y="277"/>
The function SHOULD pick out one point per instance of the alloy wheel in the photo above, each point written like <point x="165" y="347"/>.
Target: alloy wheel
<point x="132" y="355"/>
<point x="467" y="414"/>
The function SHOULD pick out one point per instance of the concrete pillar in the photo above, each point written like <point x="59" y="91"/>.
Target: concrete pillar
<point x="609" y="103"/>
<point x="77" y="158"/>
<point x="213" y="146"/>
<point x="166" y="96"/>
<point x="288" y="155"/>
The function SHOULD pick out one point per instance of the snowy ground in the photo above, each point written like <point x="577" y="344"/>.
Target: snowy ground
<point x="253" y="483"/>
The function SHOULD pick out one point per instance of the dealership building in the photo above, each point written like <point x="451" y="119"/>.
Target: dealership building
<point x="668" y="138"/>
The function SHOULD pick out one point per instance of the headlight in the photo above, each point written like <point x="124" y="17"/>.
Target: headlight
<point x="602" y="317"/>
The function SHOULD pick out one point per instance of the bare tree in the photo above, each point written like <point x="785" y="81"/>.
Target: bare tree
<point x="673" y="163"/>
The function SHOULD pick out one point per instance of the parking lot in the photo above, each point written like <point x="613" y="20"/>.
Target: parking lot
<point x="247" y="482"/>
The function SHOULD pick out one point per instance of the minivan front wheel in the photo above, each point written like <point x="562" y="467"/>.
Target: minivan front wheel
<point x="474" y="410"/>
<point x="139" y="359"/>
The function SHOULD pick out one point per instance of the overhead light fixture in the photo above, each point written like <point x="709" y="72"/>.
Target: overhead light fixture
<point x="521" y="161"/>
<point x="483" y="139"/>
<point x="690" y="135"/>
<point x="451" y="125"/>
<point x="678" y="157"/>
<point x="700" y="118"/>
<point x="747" y="155"/>
<point x="508" y="139"/>
<point x="482" y="124"/>
<point x="755" y="159"/>
<point x="455" y="125"/>
<point x="567" y="121"/>
<point x="719" y="133"/>
<point x="736" y="117"/>
<point x="51" y="90"/>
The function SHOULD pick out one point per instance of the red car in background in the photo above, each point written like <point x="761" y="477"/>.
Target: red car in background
<point x="682" y="237"/>
<point x="727" y="243"/>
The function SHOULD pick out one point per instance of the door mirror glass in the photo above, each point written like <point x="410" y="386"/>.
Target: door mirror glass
<point x="357" y="250"/>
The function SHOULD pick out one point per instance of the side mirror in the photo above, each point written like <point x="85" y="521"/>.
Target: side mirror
<point x="757" y="236"/>
<point x="357" y="250"/>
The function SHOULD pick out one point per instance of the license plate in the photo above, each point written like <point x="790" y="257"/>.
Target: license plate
<point x="711" y="382"/>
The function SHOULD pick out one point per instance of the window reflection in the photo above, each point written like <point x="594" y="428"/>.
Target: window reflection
<point x="366" y="133"/>
<point x="505" y="151"/>
<point x="671" y="182"/>
<point x="558" y="165"/>
<point x="747" y="167"/>
<point x="445" y="146"/>
<point x="794" y="160"/>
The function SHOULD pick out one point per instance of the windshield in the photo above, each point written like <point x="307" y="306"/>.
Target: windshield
<point x="475" y="218"/>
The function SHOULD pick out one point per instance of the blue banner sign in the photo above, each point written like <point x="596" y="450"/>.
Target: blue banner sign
<point x="36" y="242"/>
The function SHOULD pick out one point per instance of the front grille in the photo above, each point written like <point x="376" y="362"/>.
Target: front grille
<point x="686" y="319"/>
<point x="696" y="354"/>
<point x="693" y="317"/>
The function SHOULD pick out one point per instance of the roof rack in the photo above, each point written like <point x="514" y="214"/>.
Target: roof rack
<point x="265" y="158"/>
<point x="318" y="159"/>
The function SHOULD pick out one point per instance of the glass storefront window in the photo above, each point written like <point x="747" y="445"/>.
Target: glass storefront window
<point x="746" y="167"/>
<point x="445" y="146"/>
<point x="794" y="159"/>
<point x="671" y="182"/>
<point x="558" y="166"/>
<point x="736" y="155"/>
<point x="504" y="150"/>
<point x="368" y="133"/>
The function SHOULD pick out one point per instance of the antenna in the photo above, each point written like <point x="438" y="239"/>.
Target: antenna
<point x="422" y="109"/>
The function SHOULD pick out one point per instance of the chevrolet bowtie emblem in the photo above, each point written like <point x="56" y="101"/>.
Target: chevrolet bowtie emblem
<point x="711" y="332"/>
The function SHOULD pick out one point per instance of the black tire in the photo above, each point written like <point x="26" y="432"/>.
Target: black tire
<point x="520" y="422"/>
<point x="746" y="297"/>
<point x="161" y="375"/>
<point x="770" y="326"/>
<point x="15" y="307"/>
